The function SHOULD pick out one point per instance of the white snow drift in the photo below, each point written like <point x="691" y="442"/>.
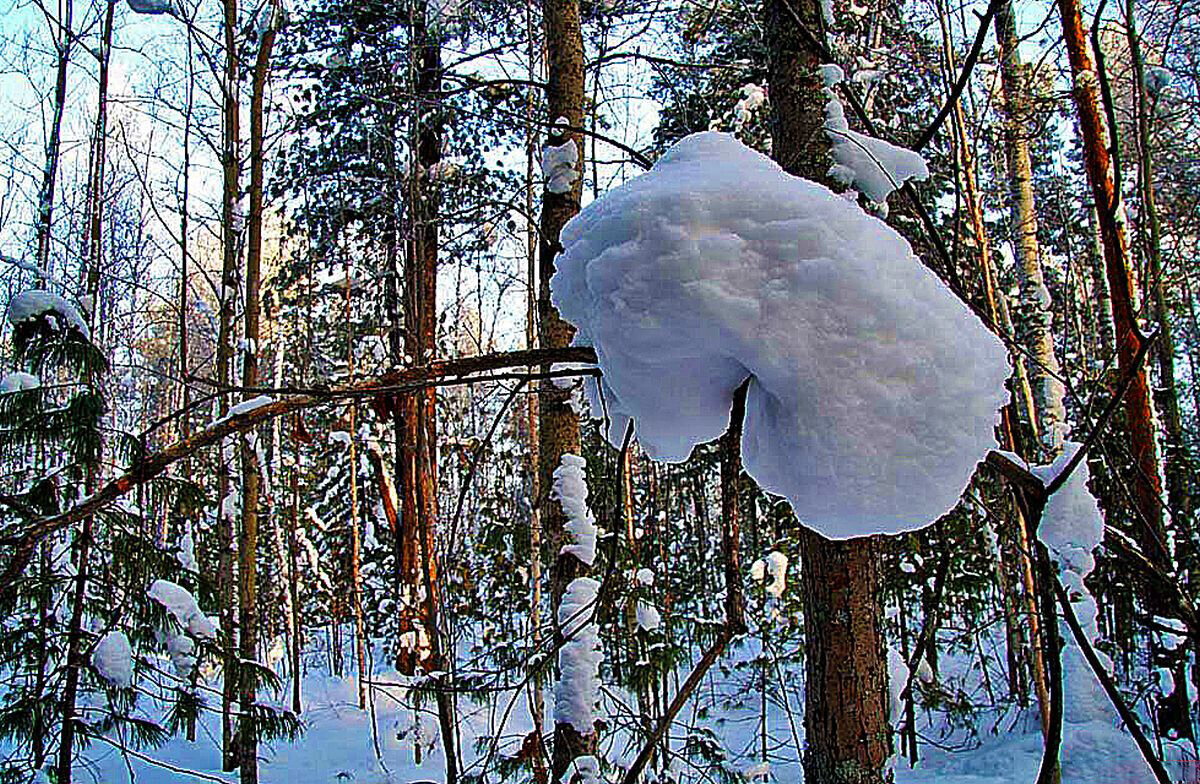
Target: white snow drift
<point x="873" y="390"/>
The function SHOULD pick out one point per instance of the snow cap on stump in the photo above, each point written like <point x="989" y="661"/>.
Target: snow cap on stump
<point x="873" y="390"/>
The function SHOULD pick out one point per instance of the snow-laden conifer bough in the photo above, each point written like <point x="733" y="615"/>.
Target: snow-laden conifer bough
<point x="37" y="305"/>
<point x="113" y="659"/>
<point x="873" y="389"/>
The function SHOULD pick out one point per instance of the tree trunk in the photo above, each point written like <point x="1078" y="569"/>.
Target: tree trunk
<point x="231" y="174"/>
<point x="558" y="423"/>
<point x="251" y="490"/>
<point x="847" y="730"/>
<point x="537" y="706"/>
<point x="1036" y="319"/>
<point x="1147" y="490"/>
<point x="418" y="410"/>
<point x="63" y="42"/>
<point x="294" y="584"/>
<point x="846" y="695"/>
<point x="1176" y="459"/>
<point x="75" y="656"/>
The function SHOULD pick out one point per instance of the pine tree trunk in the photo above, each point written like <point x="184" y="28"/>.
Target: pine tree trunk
<point x="419" y="409"/>
<point x="846" y="726"/>
<point x="848" y="737"/>
<point x="1035" y="317"/>
<point x="558" y="425"/>
<point x="1176" y="459"/>
<point x="1147" y="490"/>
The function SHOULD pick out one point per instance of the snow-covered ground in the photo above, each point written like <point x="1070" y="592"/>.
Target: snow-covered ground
<point x="342" y="743"/>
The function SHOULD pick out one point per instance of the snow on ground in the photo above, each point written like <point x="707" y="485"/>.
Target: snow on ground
<point x="339" y="742"/>
<point x="19" y="381"/>
<point x="873" y="389"/>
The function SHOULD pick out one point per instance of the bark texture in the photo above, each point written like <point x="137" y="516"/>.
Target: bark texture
<point x="845" y="717"/>
<point x="1035" y="319"/>
<point x="558" y="425"/>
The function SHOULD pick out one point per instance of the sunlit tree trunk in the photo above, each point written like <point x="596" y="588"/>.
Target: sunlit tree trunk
<point x="1139" y="418"/>
<point x="1034" y="315"/>
<point x="251" y="468"/>
<point x="558" y="426"/>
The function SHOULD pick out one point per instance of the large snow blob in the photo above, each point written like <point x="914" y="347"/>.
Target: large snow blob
<point x="873" y="390"/>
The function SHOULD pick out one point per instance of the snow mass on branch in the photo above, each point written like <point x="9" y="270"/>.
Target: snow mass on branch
<point x="35" y="303"/>
<point x="182" y="606"/>
<point x="873" y="390"/>
<point x="113" y="659"/>
<point x="870" y="166"/>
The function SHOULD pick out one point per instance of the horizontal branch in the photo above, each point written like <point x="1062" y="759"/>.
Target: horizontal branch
<point x="22" y="543"/>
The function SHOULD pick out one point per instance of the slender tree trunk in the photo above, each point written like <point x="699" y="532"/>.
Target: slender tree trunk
<point x="537" y="707"/>
<point x="227" y="296"/>
<point x="63" y="44"/>
<point x="98" y="157"/>
<point x="75" y="656"/>
<point x="294" y="585"/>
<point x="38" y="730"/>
<point x="1036" y="318"/>
<point x="251" y="490"/>
<point x="1147" y="490"/>
<point x="846" y="696"/>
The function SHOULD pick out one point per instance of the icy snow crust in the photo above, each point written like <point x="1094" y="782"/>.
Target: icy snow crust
<point x="873" y="390"/>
